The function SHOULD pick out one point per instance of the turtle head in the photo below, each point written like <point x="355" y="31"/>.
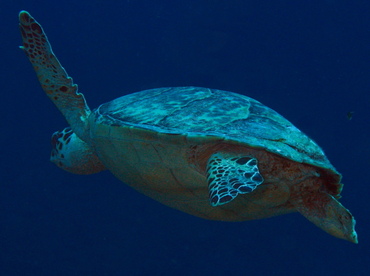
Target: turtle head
<point x="72" y="154"/>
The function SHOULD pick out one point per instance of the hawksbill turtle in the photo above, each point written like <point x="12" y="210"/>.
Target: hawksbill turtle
<point x="210" y="153"/>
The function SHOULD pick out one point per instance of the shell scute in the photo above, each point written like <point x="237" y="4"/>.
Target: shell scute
<point x="204" y="115"/>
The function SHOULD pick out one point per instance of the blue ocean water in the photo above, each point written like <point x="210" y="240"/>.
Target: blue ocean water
<point x="308" y="60"/>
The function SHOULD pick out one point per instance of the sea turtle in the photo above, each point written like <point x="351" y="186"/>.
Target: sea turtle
<point x="210" y="153"/>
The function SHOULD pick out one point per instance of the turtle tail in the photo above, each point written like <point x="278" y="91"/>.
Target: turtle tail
<point x="56" y="83"/>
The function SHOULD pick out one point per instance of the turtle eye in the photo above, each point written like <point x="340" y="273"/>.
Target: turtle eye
<point x="55" y="142"/>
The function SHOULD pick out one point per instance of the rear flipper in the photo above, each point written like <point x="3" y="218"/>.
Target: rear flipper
<point x="229" y="176"/>
<point x="328" y="214"/>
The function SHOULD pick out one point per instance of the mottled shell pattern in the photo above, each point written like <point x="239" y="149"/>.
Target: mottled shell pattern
<point x="210" y="112"/>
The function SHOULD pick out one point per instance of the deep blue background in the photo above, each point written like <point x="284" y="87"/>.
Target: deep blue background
<point x="309" y="60"/>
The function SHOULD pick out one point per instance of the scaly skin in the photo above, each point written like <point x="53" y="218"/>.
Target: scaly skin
<point x="54" y="80"/>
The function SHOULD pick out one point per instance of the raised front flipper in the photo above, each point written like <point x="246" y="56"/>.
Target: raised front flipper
<point x="53" y="78"/>
<point x="229" y="176"/>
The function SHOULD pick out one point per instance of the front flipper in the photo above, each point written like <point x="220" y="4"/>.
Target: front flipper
<point x="54" y="80"/>
<point x="229" y="176"/>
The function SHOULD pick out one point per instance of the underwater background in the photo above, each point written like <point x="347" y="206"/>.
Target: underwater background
<point x="308" y="60"/>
